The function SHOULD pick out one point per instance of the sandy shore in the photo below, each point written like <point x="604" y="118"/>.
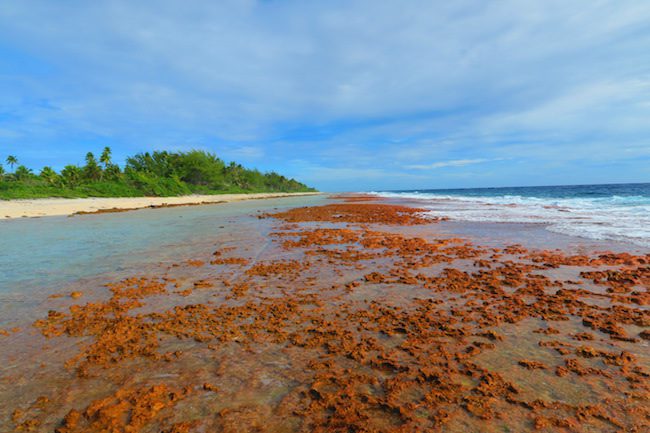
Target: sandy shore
<point x="65" y="206"/>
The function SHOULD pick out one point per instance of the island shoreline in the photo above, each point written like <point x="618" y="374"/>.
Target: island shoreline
<point x="31" y="208"/>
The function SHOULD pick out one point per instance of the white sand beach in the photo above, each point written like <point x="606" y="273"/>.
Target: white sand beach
<point x="70" y="206"/>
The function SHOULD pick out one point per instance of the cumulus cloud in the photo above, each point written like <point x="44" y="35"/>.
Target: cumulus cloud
<point x="351" y="85"/>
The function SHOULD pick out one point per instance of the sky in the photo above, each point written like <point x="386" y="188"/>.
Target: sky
<point x="345" y="96"/>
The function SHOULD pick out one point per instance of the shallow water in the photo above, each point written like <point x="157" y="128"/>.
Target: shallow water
<point x="252" y="343"/>
<point x="39" y="256"/>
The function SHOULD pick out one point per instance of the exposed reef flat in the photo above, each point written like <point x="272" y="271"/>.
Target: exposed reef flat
<point x="353" y="316"/>
<point x="70" y="206"/>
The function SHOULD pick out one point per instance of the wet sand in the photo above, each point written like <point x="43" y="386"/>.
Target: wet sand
<point x="70" y="206"/>
<point x="351" y="316"/>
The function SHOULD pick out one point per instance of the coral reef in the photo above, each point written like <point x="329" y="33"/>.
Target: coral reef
<point x="351" y="327"/>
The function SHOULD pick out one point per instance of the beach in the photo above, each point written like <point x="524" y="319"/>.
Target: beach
<point x="67" y="206"/>
<point x="320" y="313"/>
<point x="325" y="217"/>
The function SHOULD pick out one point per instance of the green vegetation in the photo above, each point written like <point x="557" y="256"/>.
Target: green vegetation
<point x="145" y="174"/>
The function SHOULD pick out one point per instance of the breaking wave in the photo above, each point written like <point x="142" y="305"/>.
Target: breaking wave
<point x="618" y="217"/>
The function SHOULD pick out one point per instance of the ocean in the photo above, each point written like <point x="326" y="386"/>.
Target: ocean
<point x="616" y="212"/>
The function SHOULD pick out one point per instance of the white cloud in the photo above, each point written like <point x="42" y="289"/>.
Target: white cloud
<point x="452" y="163"/>
<point x="457" y="83"/>
<point x="607" y="106"/>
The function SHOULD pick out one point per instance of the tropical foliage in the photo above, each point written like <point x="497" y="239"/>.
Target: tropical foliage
<point x="160" y="173"/>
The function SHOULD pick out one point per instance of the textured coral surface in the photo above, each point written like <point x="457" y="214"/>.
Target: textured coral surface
<point x="348" y="317"/>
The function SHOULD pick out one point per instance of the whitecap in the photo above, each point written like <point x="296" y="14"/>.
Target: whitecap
<point x="616" y="218"/>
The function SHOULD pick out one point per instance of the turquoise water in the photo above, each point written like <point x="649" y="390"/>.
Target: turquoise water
<point x="39" y="256"/>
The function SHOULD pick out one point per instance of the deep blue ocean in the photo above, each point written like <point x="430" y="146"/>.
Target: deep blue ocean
<point x="617" y="212"/>
<point x="637" y="191"/>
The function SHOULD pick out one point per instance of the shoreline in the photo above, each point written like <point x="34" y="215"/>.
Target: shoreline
<point x="333" y="305"/>
<point x="317" y="303"/>
<point x="591" y="219"/>
<point x="34" y="208"/>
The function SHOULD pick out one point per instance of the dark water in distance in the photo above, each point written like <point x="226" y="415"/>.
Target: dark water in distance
<point x="639" y="190"/>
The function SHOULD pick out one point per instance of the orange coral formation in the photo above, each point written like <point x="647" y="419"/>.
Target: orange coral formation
<point x="357" y="213"/>
<point x="128" y="410"/>
<point x="376" y="331"/>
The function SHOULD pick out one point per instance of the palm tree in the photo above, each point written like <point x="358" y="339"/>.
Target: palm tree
<point x="12" y="160"/>
<point x="49" y="175"/>
<point x="71" y="175"/>
<point x="22" y="173"/>
<point x="92" y="170"/>
<point x="105" y="157"/>
<point x="2" y="171"/>
<point x="112" y="172"/>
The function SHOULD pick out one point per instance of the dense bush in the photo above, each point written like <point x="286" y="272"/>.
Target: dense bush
<point x="145" y="174"/>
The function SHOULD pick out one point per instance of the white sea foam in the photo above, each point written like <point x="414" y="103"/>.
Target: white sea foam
<point x="617" y="218"/>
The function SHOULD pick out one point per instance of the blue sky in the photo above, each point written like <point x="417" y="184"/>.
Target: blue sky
<point x="359" y="95"/>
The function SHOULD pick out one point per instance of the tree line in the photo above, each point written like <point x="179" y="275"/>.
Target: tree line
<point x="160" y="173"/>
